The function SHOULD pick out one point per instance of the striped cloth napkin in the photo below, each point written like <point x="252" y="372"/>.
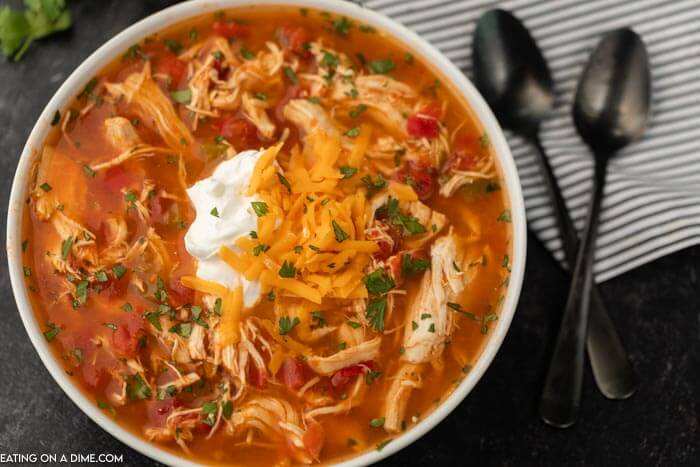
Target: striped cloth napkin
<point x="652" y="199"/>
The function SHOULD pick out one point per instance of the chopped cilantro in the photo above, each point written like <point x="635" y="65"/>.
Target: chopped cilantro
<point x="286" y="324"/>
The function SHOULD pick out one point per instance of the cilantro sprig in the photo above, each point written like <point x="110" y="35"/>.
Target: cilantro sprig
<point x="18" y="29"/>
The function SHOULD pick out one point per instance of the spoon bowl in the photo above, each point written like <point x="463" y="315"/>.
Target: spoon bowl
<point x="611" y="108"/>
<point x="511" y="72"/>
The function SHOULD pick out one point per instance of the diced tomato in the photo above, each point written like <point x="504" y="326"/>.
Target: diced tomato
<point x="292" y="92"/>
<point x="420" y="176"/>
<point x="223" y="71"/>
<point x="168" y="64"/>
<point x="124" y="343"/>
<point x="344" y="376"/>
<point x="461" y="159"/>
<point x="116" y="178"/>
<point x="258" y="377"/>
<point x="230" y="29"/>
<point x="393" y="267"/>
<point x="158" y="411"/>
<point x="313" y="439"/>
<point x="292" y="373"/>
<point x="422" y="126"/>
<point x="179" y="294"/>
<point x="294" y="38"/>
<point x="239" y="131"/>
<point x="386" y="248"/>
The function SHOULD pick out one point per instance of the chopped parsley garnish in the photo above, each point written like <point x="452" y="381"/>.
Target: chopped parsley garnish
<point x="484" y="141"/>
<point x="412" y="267"/>
<point x="81" y="293"/>
<point x="182" y="329"/>
<point x="383" y="444"/>
<point x="329" y="60"/>
<point x="173" y="46"/>
<point x="209" y="410"/>
<point x="378" y="282"/>
<point x="377" y="422"/>
<point x="455" y="267"/>
<point x="342" y="26"/>
<point x="366" y="28"/>
<point x="340" y="234"/>
<point x="111" y="326"/>
<point x="458" y="308"/>
<point x="506" y="262"/>
<point x="291" y="76"/>
<point x="374" y="186"/>
<point x="491" y="187"/>
<point x="357" y="111"/>
<point x="504" y="216"/>
<point x="227" y="409"/>
<point x="183" y="96"/>
<point x="317" y="316"/>
<point x="127" y="307"/>
<point x="353" y="132"/>
<point x="271" y="296"/>
<point x="261" y="96"/>
<point x="414" y="325"/>
<point x="56" y="118"/>
<point x="214" y="212"/>
<point x="166" y="392"/>
<point x="218" y="55"/>
<point x="347" y="171"/>
<point x="287" y="270"/>
<point x="52" y="332"/>
<point x="217" y="306"/>
<point x="375" y="313"/>
<point x="101" y="276"/>
<point x="372" y="375"/>
<point x="298" y="249"/>
<point x="314" y="248"/>
<point x="247" y="54"/>
<point x="66" y="247"/>
<point x="408" y="58"/>
<point x="485" y="324"/>
<point x="130" y="197"/>
<point x="154" y="318"/>
<point x="137" y="388"/>
<point x="286" y="324"/>
<point x="27" y="271"/>
<point x="119" y="270"/>
<point x="354" y="324"/>
<point x="425" y="316"/>
<point x="283" y="180"/>
<point x="391" y="210"/>
<point x="260" y="208"/>
<point x="381" y="66"/>
<point x="260" y="248"/>
<point x="253" y="234"/>
<point x="432" y="327"/>
<point x="46" y="187"/>
<point x="88" y="171"/>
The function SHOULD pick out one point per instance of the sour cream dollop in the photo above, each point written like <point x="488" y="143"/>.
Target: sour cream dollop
<point x="224" y="214"/>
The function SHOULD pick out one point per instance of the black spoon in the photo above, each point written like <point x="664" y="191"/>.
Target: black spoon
<point x="513" y="76"/>
<point x="611" y="109"/>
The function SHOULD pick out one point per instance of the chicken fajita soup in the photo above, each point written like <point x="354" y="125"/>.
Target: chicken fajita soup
<point x="267" y="237"/>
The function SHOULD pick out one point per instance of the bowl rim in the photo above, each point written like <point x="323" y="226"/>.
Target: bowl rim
<point x="180" y="12"/>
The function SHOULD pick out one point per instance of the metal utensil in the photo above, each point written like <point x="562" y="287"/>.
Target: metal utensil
<point x="513" y="76"/>
<point x="611" y="109"/>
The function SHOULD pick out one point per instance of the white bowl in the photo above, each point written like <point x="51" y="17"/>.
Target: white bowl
<point x="158" y="21"/>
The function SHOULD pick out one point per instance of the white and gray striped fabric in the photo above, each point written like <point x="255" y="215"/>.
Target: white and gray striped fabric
<point x="652" y="200"/>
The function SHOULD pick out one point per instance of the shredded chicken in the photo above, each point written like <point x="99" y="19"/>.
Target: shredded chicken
<point x="406" y="379"/>
<point x="429" y="321"/>
<point x="365" y="351"/>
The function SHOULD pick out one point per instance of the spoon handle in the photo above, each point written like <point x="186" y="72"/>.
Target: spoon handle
<point x="612" y="370"/>
<point x="561" y="396"/>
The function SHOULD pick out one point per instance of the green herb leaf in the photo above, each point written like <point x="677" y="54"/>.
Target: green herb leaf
<point x="101" y="276"/>
<point x="253" y="234"/>
<point x="81" y="292"/>
<point x="56" y="118"/>
<point x="286" y="324"/>
<point x="287" y="270"/>
<point x="408" y="58"/>
<point x="375" y="313"/>
<point x="412" y="267"/>
<point x="183" y="96"/>
<point x="340" y="234"/>
<point x="41" y="18"/>
<point x="504" y="216"/>
<point x="66" y="247"/>
<point x="260" y="248"/>
<point x="260" y="208"/>
<point x="378" y="282"/>
<point x="88" y="171"/>
<point x="261" y="96"/>
<point x="214" y="212"/>
<point x="329" y="60"/>
<point x="119" y="270"/>
<point x="227" y="409"/>
<point x="166" y="393"/>
<point x="347" y="171"/>
<point x="173" y="46"/>
<point x="46" y="187"/>
<point x="51" y="333"/>
<point x="485" y="324"/>
<point x="381" y="66"/>
<point x="317" y="316"/>
<point x="154" y="318"/>
<point x="127" y="307"/>
<point x="291" y="76"/>
<point x="342" y="26"/>
<point x="247" y="54"/>
<point x="354" y="324"/>
<point x="374" y="186"/>
<point x="357" y="111"/>
<point x="377" y="422"/>
<point x="283" y="180"/>
<point x="353" y="132"/>
<point x="137" y="388"/>
<point x="371" y="376"/>
<point x="182" y="329"/>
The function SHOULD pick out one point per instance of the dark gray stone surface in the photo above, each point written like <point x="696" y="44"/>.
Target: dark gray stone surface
<point x="655" y="307"/>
